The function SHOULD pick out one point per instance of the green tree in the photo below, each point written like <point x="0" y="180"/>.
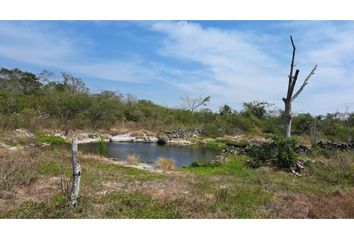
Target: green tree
<point x="17" y="81"/>
<point x="105" y="109"/>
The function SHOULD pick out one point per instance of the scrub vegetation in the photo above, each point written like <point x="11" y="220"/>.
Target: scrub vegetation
<point x="257" y="183"/>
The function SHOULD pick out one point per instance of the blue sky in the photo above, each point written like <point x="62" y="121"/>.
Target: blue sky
<point x="231" y="61"/>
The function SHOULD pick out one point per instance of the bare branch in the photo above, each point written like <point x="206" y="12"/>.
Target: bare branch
<point x="304" y="84"/>
<point x="193" y="103"/>
<point x="293" y="83"/>
<point x="292" y="64"/>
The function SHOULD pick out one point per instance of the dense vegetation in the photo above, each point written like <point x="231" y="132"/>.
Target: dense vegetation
<point x="45" y="101"/>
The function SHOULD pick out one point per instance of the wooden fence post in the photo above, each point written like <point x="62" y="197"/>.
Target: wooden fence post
<point x="76" y="173"/>
<point x="314" y="132"/>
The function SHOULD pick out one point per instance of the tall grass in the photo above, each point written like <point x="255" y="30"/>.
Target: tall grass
<point x="165" y="164"/>
<point x="102" y="146"/>
<point x="133" y="159"/>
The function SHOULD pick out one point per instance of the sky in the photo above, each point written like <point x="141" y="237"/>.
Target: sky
<point x="162" y="61"/>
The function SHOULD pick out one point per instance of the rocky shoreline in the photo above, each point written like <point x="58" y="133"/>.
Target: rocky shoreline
<point x="170" y="138"/>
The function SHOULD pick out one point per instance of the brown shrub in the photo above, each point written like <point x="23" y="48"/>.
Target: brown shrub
<point x="133" y="159"/>
<point x="165" y="164"/>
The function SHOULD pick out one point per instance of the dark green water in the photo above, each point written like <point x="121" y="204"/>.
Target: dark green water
<point x="182" y="155"/>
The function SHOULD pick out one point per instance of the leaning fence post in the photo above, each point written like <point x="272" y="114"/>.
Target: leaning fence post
<point x="76" y="173"/>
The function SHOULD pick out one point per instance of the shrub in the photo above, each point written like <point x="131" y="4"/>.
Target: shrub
<point x="279" y="152"/>
<point x="133" y="159"/>
<point x="165" y="164"/>
<point x="212" y="130"/>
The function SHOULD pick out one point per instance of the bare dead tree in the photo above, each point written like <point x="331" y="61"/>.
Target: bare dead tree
<point x="76" y="173"/>
<point x="193" y="103"/>
<point x="290" y="97"/>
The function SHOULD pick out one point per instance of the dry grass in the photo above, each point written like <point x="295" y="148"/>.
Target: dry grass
<point x="133" y="159"/>
<point x="34" y="182"/>
<point x="16" y="169"/>
<point x="165" y="164"/>
<point x="302" y="205"/>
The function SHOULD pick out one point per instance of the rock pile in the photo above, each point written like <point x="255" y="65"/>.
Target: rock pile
<point x="303" y="149"/>
<point x="244" y="150"/>
<point x="184" y="133"/>
<point x="330" y="145"/>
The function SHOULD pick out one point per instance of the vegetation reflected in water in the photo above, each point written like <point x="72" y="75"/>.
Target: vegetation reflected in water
<point x="149" y="153"/>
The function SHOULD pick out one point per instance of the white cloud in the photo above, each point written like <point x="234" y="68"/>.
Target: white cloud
<point x="243" y="66"/>
<point x="240" y="70"/>
<point x="46" y="46"/>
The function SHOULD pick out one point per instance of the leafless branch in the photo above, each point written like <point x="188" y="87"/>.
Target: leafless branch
<point x="304" y="83"/>
<point x="194" y="103"/>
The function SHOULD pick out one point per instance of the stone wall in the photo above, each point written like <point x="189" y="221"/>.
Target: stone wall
<point x="184" y="133"/>
<point x="330" y="145"/>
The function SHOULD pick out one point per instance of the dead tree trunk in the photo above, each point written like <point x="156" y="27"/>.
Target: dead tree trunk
<point x="290" y="97"/>
<point x="76" y="173"/>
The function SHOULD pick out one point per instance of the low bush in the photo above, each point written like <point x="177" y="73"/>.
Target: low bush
<point x="212" y="131"/>
<point x="280" y="152"/>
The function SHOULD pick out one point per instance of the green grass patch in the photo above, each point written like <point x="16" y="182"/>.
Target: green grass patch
<point x="215" y="144"/>
<point x="239" y="144"/>
<point x="222" y="143"/>
<point x="242" y="201"/>
<point x="50" y="139"/>
<point x="52" y="168"/>
<point x="136" y="205"/>
<point x="234" y="166"/>
<point x="114" y="170"/>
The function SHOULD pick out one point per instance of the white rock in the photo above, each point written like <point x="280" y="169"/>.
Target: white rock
<point x="179" y="141"/>
<point x="59" y="135"/>
<point x="122" y="138"/>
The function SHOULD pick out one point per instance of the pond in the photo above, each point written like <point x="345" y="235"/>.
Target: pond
<point x="149" y="153"/>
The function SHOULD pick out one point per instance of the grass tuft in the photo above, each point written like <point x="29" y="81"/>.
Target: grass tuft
<point x="133" y="159"/>
<point x="165" y="164"/>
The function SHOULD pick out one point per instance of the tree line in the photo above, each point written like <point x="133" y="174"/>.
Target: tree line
<point x="46" y="101"/>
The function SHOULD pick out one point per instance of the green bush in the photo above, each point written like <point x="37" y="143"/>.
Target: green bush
<point x="212" y="131"/>
<point x="279" y="152"/>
